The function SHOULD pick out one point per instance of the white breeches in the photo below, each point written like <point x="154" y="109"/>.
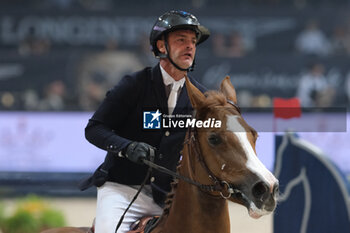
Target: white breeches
<point x="113" y="199"/>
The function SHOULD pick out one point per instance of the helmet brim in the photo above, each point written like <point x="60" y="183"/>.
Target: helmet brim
<point x="201" y="31"/>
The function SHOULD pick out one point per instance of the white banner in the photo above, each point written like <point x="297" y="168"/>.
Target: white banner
<point x="52" y="141"/>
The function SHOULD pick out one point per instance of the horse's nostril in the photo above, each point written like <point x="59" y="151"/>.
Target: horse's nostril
<point x="276" y="189"/>
<point x="260" y="189"/>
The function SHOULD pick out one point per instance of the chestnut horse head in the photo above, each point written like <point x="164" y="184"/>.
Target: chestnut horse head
<point x="228" y="152"/>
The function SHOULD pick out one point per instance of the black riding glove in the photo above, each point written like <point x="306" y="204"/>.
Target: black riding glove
<point x="138" y="151"/>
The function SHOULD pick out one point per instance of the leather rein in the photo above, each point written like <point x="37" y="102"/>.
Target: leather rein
<point x="220" y="186"/>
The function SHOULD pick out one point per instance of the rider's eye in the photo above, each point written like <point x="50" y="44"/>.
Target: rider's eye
<point x="214" y="139"/>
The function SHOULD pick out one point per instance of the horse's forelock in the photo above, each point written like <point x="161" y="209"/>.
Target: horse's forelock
<point x="214" y="98"/>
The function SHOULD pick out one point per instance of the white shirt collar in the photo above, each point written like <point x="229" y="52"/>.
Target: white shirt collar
<point x="167" y="79"/>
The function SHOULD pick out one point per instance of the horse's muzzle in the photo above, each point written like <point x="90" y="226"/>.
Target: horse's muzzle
<point x="263" y="199"/>
<point x="260" y="199"/>
<point x="263" y="195"/>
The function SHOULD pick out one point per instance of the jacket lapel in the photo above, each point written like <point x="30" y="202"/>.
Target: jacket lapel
<point x="159" y="88"/>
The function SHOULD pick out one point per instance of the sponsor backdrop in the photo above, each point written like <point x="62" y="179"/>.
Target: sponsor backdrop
<point x="43" y="46"/>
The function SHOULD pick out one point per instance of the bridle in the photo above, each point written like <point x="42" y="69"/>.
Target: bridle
<point x="234" y="105"/>
<point x="219" y="185"/>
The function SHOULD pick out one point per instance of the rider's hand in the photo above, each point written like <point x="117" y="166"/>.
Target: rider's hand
<point x="138" y="151"/>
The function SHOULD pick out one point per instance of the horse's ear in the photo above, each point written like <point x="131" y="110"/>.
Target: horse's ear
<point x="196" y="96"/>
<point x="228" y="89"/>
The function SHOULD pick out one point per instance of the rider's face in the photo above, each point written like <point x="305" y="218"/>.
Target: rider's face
<point x="182" y="47"/>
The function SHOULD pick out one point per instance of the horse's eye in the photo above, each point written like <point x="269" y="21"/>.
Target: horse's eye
<point x="214" y="139"/>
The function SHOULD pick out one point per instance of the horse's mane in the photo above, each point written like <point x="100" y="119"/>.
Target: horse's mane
<point x="213" y="99"/>
<point x="169" y="199"/>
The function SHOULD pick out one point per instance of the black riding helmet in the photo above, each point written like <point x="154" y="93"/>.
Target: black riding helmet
<point x="171" y="21"/>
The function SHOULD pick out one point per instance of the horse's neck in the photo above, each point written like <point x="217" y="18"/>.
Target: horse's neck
<point x="192" y="210"/>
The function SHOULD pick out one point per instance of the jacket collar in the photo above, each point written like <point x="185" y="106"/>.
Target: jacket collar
<point x="168" y="80"/>
<point x="159" y="88"/>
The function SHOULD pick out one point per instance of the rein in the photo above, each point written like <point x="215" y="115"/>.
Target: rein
<point x="152" y="156"/>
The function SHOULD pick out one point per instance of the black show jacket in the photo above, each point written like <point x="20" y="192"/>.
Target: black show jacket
<point x="119" y="121"/>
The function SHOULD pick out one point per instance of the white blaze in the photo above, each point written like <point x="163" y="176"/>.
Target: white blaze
<point x="253" y="163"/>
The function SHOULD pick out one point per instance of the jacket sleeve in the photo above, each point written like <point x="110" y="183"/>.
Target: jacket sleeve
<point x="115" y="108"/>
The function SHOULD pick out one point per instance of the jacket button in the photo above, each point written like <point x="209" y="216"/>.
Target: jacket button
<point x="167" y="133"/>
<point x="120" y="154"/>
<point x="152" y="179"/>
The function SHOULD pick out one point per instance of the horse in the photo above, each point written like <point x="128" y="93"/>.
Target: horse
<point x="219" y="164"/>
<point x="313" y="189"/>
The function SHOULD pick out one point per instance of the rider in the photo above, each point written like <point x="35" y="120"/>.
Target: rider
<point x="117" y="125"/>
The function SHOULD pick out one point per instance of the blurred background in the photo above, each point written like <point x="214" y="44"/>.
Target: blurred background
<point x="59" y="57"/>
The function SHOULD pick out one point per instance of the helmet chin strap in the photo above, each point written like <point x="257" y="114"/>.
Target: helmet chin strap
<point x="167" y="55"/>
